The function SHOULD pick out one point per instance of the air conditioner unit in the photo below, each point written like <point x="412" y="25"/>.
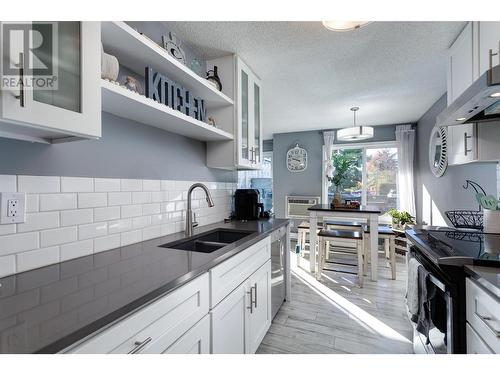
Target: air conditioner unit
<point x="296" y="206"/>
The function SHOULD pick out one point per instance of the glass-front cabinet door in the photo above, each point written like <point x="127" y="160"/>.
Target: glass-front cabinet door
<point x="249" y="112"/>
<point x="55" y="68"/>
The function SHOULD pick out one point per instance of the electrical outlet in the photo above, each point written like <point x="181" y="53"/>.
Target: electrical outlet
<point x="12" y="208"/>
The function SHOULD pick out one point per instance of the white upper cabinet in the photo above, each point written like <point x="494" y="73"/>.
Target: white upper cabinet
<point x="461" y="64"/>
<point x="245" y="152"/>
<point x="473" y="142"/>
<point x="489" y="38"/>
<point x="468" y="57"/>
<point x="68" y="51"/>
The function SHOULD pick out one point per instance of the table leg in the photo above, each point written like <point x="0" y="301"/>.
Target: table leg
<point x="313" y="235"/>
<point x="373" y="223"/>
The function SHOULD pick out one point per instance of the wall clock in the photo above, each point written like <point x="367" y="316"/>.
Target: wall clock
<point x="296" y="159"/>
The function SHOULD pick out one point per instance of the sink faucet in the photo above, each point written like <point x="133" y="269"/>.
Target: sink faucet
<point x="190" y="224"/>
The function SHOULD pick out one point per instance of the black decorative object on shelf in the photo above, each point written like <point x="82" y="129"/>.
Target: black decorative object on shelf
<point x="468" y="219"/>
<point x="163" y="90"/>
<point x="213" y="77"/>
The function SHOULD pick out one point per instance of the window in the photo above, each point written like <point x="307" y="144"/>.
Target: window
<point x="372" y="179"/>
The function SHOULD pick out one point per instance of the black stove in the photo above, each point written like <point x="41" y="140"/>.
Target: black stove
<point x="444" y="252"/>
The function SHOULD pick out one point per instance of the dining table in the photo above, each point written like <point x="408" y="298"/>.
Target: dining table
<point x="321" y="212"/>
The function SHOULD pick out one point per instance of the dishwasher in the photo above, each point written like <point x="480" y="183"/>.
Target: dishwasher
<point x="278" y="279"/>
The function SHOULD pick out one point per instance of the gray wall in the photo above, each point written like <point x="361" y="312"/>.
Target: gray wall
<point x="307" y="182"/>
<point x="446" y="192"/>
<point x="126" y="150"/>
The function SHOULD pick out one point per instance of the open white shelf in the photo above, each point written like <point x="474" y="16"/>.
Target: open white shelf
<point x="131" y="105"/>
<point x="136" y="51"/>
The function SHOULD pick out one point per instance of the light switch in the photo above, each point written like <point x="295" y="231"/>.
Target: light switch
<point x="12" y="208"/>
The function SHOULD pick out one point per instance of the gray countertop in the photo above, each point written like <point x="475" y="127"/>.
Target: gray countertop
<point x="487" y="277"/>
<point x="48" y="309"/>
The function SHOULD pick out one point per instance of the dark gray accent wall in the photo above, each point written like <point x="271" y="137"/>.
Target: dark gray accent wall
<point x="307" y="182"/>
<point x="127" y="149"/>
<point x="267" y="145"/>
<point x="434" y="196"/>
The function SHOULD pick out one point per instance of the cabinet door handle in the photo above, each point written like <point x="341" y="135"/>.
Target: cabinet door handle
<point x="251" y="300"/>
<point x="21" y="79"/>
<point x="139" y="345"/>
<point x="255" y="302"/>
<point x="486" y="320"/>
<point x="466" y="150"/>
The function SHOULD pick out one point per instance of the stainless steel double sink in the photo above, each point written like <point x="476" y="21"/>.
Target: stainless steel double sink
<point x="208" y="242"/>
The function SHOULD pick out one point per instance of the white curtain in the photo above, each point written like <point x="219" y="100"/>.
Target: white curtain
<point x="405" y="138"/>
<point x="328" y="137"/>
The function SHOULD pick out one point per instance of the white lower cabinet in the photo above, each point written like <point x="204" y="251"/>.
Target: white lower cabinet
<point x="226" y="310"/>
<point x="194" y="341"/>
<point x="241" y="320"/>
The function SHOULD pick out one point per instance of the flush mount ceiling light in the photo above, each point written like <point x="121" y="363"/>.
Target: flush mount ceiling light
<point x="355" y="133"/>
<point x="344" y="25"/>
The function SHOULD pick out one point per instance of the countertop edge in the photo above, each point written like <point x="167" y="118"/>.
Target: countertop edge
<point x="66" y="343"/>
<point x="477" y="274"/>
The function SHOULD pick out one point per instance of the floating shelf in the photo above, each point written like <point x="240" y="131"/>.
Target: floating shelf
<point x="131" y="105"/>
<point x="136" y="51"/>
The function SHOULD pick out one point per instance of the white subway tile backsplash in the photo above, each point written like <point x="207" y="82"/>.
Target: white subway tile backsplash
<point x="106" y="213"/>
<point x="39" y="221"/>
<point x="106" y="243"/>
<point x="92" y="230"/>
<point x="141" y="197"/>
<point x="32" y="203"/>
<point x="16" y="243"/>
<point x="119" y="199"/>
<point x="131" y="211"/>
<point x="131" y="185"/>
<point x="59" y="236"/>
<point x="151" y="185"/>
<point x="70" y="217"/>
<point x="118" y="226"/>
<point x="151" y="208"/>
<point x="88" y="200"/>
<point x="7" y="265"/>
<point x="38" y="184"/>
<point x="76" y="249"/>
<point x="75" y="217"/>
<point x="8" y="183"/>
<point x="57" y="202"/>
<point x="77" y="184"/>
<point x="7" y="229"/>
<point x="106" y="184"/>
<point x="37" y="258"/>
<point x="128" y="238"/>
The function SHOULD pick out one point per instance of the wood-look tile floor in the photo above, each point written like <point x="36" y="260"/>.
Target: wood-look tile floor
<point x="334" y="315"/>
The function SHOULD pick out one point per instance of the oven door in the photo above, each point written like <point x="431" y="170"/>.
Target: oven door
<point x="440" y="339"/>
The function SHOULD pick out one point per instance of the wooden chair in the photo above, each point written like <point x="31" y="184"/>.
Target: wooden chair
<point x="327" y="235"/>
<point x="389" y="237"/>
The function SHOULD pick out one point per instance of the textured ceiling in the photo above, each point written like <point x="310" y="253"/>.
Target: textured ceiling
<point x="394" y="71"/>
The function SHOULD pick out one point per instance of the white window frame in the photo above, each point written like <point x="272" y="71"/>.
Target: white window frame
<point x="364" y="146"/>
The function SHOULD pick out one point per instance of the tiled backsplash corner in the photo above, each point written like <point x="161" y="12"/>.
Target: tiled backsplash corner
<point x="70" y="217"/>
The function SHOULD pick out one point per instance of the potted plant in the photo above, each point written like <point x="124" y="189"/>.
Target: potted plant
<point x="339" y="171"/>
<point x="400" y="219"/>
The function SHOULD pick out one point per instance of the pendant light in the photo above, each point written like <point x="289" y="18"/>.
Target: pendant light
<point x="355" y="133"/>
<point x="344" y="25"/>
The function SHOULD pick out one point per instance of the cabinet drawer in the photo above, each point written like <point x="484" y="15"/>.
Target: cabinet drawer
<point x="474" y="343"/>
<point x="194" y="341"/>
<point x="228" y="275"/>
<point x="483" y="314"/>
<point x="159" y="324"/>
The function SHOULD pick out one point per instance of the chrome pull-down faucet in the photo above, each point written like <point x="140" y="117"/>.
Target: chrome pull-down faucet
<point x="189" y="213"/>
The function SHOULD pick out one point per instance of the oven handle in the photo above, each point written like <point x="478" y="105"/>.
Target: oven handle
<point x="437" y="282"/>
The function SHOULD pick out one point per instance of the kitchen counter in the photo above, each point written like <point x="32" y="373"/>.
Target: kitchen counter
<point x="487" y="277"/>
<point x="361" y="209"/>
<point x="48" y="309"/>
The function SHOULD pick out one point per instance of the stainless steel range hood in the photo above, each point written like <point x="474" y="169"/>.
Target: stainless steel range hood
<point x="479" y="103"/>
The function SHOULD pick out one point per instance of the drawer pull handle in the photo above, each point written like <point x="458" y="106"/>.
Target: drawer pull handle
<point x="139" y="345"/>
<point x="251" y="300"/>
<point x="21" y="79"/>
<point x="255" y="301"/>
<point x="486" y="320"/>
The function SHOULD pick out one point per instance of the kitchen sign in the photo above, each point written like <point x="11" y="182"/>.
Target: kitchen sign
<point x="163" y="90"/>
